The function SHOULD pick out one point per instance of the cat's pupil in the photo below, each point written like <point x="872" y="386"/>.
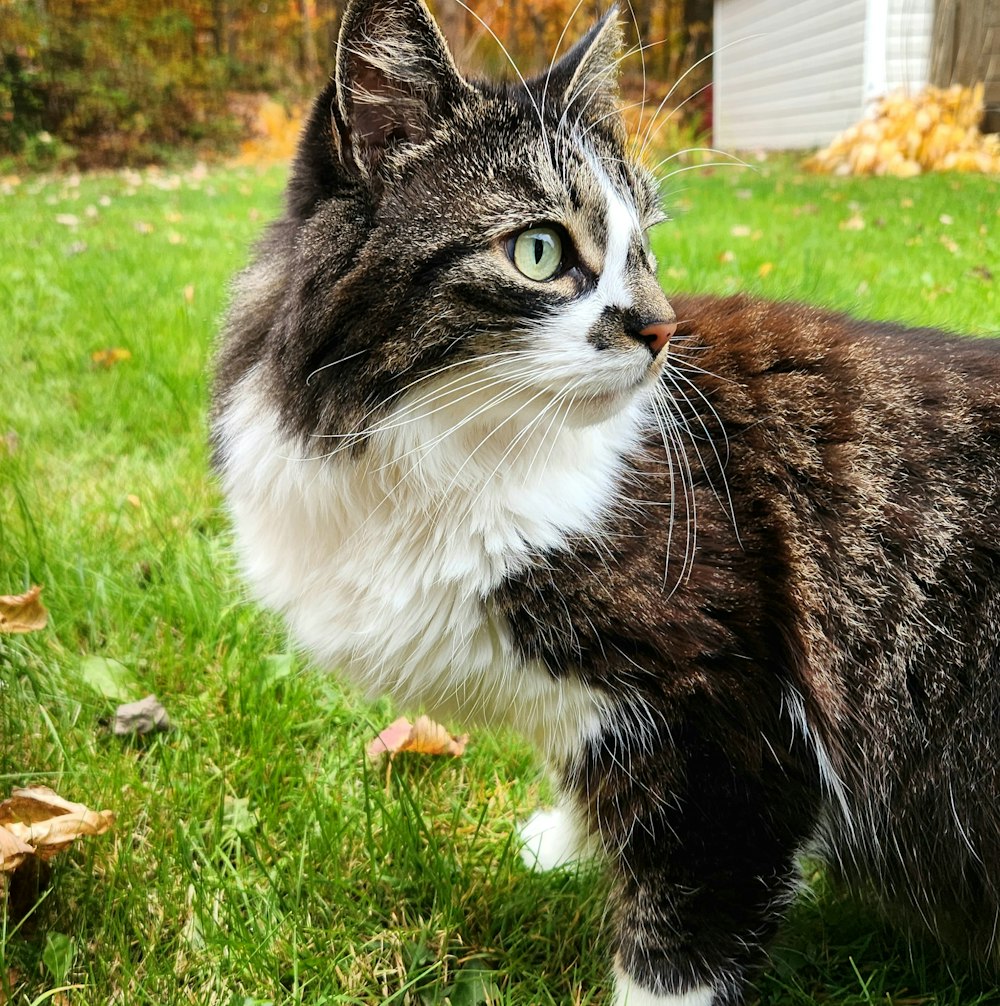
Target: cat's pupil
<point x="539" y="250"/>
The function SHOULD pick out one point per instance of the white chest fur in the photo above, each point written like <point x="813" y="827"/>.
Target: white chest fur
<point x="381" y="566"/>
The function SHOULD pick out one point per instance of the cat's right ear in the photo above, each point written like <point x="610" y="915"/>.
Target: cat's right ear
<point x="395" y="80"/>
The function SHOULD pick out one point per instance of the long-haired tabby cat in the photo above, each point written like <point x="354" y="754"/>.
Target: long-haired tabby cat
<point x="734" y="566"/>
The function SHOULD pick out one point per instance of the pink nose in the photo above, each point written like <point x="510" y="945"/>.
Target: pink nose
<point x="658" y="335"/>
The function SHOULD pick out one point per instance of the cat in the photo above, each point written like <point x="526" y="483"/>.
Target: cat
<point x="733" y="566"/>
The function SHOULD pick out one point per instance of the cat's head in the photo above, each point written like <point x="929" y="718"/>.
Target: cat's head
<point x="452" y="248"/>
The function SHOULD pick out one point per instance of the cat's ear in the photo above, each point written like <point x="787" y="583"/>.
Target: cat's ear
<point x="586" y="78"/>
<point x="395" y="79"/>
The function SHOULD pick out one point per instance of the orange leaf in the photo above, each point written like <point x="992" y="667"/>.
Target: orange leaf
<point x="422" y="737"/>
<point x="23" y="612"/>
<point x="110" y="356"/>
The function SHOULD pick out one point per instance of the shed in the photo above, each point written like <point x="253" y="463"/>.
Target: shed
<point x="793" y="73"/>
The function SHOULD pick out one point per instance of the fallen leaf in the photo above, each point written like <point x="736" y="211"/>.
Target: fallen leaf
<point x="23" y="612"/>
<point x="855" y="222"/>
<point x="189" y="293"/>
<point x="143" y="717"/>
<point x="422" y="737"/>
<point x="143" y="227"/>
<point x="133" y="500"/>
<point x="109" y="678"/>
<point x="107" y="358"/>
<point x="726" y="257"/>
<point x="67" y="219"/>
<point x="37" y="822"/>
<point x="740" y="231"/>
<point x="765" y="269"/>
<point x="13" y="977"/>
<point x="946" y="219"/>
<point x="13" y="850"/>
<point x="982" y="272"/>
<point x="9" y="443"/>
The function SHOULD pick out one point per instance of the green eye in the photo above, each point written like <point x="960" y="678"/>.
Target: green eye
<point x="538" y="253"/>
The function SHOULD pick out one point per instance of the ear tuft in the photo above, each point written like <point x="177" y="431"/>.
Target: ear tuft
<point x="395" y="80"/>
<point x="586" y="78"/>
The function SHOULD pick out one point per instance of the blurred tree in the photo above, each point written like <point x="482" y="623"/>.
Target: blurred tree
<point x="133" y="80"/>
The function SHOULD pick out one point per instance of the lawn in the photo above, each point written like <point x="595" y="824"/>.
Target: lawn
<point x="257" y="857"/>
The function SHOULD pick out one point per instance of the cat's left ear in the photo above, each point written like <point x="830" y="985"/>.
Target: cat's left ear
<point x="395" y="80"/>
<point x="586" y="78"/>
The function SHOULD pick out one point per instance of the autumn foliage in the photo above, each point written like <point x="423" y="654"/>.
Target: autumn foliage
<point x="111" y="82"/>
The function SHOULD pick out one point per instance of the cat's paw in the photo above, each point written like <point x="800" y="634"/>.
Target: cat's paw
<point x="628" y="994"/>
<point x="551" y="838"/>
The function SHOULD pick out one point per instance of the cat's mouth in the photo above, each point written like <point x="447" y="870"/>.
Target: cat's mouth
<point x="602" y="403"/>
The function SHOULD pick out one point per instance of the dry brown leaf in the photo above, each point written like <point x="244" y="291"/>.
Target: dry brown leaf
<point x="422" y="737"/>
<point x="109" y="357"/>
<point x="23" y="612"/>
<point x="37" y="822"/>
<point x="13" y="850"/>
<point x="143" y="717"/>
<point x="13" y="977"/>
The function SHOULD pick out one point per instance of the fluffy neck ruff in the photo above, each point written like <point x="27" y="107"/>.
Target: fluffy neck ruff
<point x="382" y="562"/>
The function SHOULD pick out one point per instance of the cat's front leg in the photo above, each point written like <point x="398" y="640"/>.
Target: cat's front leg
<point x="702" y="850"/>
<point x="692" y="933"/>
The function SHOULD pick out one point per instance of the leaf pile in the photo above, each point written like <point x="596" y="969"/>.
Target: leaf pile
<point x="935" y="130"/>
<point x="37" y="822"/>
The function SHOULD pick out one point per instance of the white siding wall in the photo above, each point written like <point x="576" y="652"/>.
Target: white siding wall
<point x="796" y="84"/>
<point x="908" y="44"/>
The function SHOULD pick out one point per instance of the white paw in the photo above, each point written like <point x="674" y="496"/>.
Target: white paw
<point x="551" y="838"/>
<point x="629" y="994"/>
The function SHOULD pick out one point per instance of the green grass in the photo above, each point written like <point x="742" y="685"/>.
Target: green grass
<point x="256" y="856"/>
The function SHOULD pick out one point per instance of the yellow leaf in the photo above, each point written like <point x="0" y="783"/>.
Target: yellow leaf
<point x="109" y="357"/>
<point x="765" y="269"/>
<point x="21" y="613"/>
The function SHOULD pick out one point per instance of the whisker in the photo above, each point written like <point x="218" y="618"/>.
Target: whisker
<point x="343" y="359"/>
<point x="647" y="135"/>
<point x="510" y="59"/>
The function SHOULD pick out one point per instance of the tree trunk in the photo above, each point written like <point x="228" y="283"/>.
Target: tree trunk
<point x="310" y="61"/>
<point x="965" y="49"/>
